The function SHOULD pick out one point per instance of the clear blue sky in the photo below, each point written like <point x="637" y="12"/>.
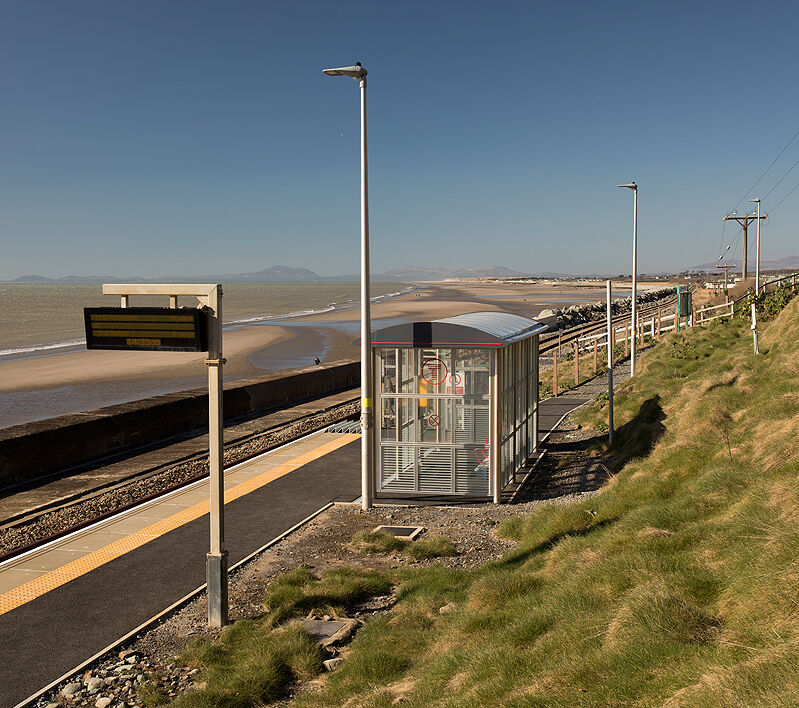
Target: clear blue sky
<point x="150" y="137"/>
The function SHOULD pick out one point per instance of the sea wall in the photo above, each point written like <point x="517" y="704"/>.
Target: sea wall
<point x="47" y="446"/>
<point x="591" y="311"/>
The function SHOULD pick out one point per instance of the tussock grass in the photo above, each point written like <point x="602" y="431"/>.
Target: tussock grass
<point x="677" y="585"/>
<point x="250" y="665"/>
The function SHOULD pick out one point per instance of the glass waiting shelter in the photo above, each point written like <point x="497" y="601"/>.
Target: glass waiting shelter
<point x="457" y="404"/>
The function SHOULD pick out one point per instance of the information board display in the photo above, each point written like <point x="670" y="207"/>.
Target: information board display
<point x="163" y="329"/>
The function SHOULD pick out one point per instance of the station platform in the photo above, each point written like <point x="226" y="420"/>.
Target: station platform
<point x="64" y="602"/>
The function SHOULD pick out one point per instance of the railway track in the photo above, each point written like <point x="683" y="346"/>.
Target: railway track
<point x="551" y="341"/>
<point x="66" y="516"/>
<point x="56" y="520"/>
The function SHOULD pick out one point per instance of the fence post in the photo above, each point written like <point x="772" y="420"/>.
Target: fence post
<point x="555" y="373"/>
<point x="596" y="339"/>
<point x="626" y="339"/>
<point x="658" y="323"/>
<point x="693" y="315"/>
<point x="576" y="361"/>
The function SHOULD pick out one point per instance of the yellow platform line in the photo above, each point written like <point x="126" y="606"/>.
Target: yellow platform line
<point x="49" y="581"/>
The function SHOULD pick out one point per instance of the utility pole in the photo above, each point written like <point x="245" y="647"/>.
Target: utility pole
<point x="744" y="221"/>
<point x="725" y="268"/>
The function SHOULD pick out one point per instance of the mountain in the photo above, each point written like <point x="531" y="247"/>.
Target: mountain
<point x="32" y="279"/>
<point x="787" y="263"/>
<point x="286" y="274"/>
<point x="410" y="273"/>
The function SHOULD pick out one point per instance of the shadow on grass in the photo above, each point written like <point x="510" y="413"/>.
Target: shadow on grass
<point x="568" y="469"/>
<point x="518" y="557"/>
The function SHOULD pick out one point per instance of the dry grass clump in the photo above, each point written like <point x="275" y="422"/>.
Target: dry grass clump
<point x="384" y="542"/>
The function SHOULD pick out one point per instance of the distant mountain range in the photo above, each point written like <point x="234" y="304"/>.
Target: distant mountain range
<point x="787" y="263"/>
<point x="285" y="274"/>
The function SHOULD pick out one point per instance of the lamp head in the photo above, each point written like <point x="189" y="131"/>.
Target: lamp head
<point x="354" y="72"/>
<point x="632" y="185"/>
<point x="757" y="200"/>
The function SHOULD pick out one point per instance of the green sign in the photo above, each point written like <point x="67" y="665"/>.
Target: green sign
<point x="160" y="329"/>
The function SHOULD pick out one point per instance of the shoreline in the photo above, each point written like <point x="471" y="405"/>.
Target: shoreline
<point x="38" y="387"/>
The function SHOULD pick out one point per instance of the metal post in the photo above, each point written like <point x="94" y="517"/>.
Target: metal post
<point x="757" y="252"/>
<point x="677" y="312"/>
<point x="495" y="433"/>
<point x="367" y="410"/>
<point x="217" y="558"/>
<point x="610" y="370"/>
<point x="536" y="392"/>
<point x="635" y="281"/>
<point x="754" y="328"/>
<point x="555" y="373"/>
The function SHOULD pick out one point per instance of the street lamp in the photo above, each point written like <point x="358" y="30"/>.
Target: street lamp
<point x="757" y="249"/>
<point x="358" y="73"/>
<point x="634" y="187"/>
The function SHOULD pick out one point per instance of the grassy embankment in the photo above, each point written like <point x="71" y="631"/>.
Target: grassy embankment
<point x="677" y="585"/>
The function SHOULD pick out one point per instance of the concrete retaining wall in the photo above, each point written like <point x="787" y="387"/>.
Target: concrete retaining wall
<point x="47" y="446"/>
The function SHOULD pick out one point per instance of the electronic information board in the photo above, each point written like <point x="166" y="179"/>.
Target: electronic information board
<point x="163" y="329"/>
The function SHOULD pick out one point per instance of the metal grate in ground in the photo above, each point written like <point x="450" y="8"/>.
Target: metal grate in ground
<point x="345" y="426"/>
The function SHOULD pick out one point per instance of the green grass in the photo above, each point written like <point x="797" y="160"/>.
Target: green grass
<point x="384" y="542"/>
<point x="677" y="585"/>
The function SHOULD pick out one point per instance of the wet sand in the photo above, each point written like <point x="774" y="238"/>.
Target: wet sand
<point x="43" y="386"/>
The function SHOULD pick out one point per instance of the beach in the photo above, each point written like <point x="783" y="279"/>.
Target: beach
<point x="50" y="384"/>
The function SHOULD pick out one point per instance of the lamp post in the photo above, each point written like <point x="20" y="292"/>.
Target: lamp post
<point x="633" y="326"/>
<point x="757" y="248"/>
<point x="358" y="73"/>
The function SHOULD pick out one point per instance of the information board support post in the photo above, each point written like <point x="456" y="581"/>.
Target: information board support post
<point x="155" y="338"/>
<point x="217" y="558"/>
<point x="610" y="368"/>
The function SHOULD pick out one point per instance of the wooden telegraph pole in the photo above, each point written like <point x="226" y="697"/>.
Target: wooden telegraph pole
<point x="725" y="268"/>
<point x="744" y="221"/>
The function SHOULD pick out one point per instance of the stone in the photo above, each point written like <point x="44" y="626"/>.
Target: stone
<point x="333" y="664"/>
<point x="103" y="702"/>
<point x="132" y="659"/>
<point x="94" y="682"/>
<point x="70" y="689"/>
<point x="446" y="609"/>
<point x="125" y="654"/>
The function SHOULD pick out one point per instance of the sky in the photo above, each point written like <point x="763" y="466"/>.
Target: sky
<point x="164" y="137"/>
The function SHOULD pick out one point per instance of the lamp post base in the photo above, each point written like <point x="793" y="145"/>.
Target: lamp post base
<point x="216" y="577"/>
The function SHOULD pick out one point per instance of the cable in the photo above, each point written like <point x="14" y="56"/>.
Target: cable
<point x="771" y="211"/>
<point x="757" y="181"/>
<point x="781" y="178"/>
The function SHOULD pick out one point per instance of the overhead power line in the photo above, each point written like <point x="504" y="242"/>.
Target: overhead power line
<point x="757" y="181"/>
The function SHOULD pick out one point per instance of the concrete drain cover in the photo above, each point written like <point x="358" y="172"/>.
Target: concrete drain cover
<point x="407" y="532"/>
<point x="327" y="632"/>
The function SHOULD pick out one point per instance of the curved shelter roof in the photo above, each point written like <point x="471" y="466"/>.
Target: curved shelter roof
<point x="474" y="329"/>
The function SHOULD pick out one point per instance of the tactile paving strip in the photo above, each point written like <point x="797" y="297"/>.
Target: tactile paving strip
<point x="80" y="566"/>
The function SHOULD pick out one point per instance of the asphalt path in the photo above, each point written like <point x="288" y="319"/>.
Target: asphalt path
<point x="43" y="639"/>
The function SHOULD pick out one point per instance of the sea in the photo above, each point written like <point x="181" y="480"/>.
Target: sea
<point x="42" y="318"/>
<point x="46" y="320"/>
